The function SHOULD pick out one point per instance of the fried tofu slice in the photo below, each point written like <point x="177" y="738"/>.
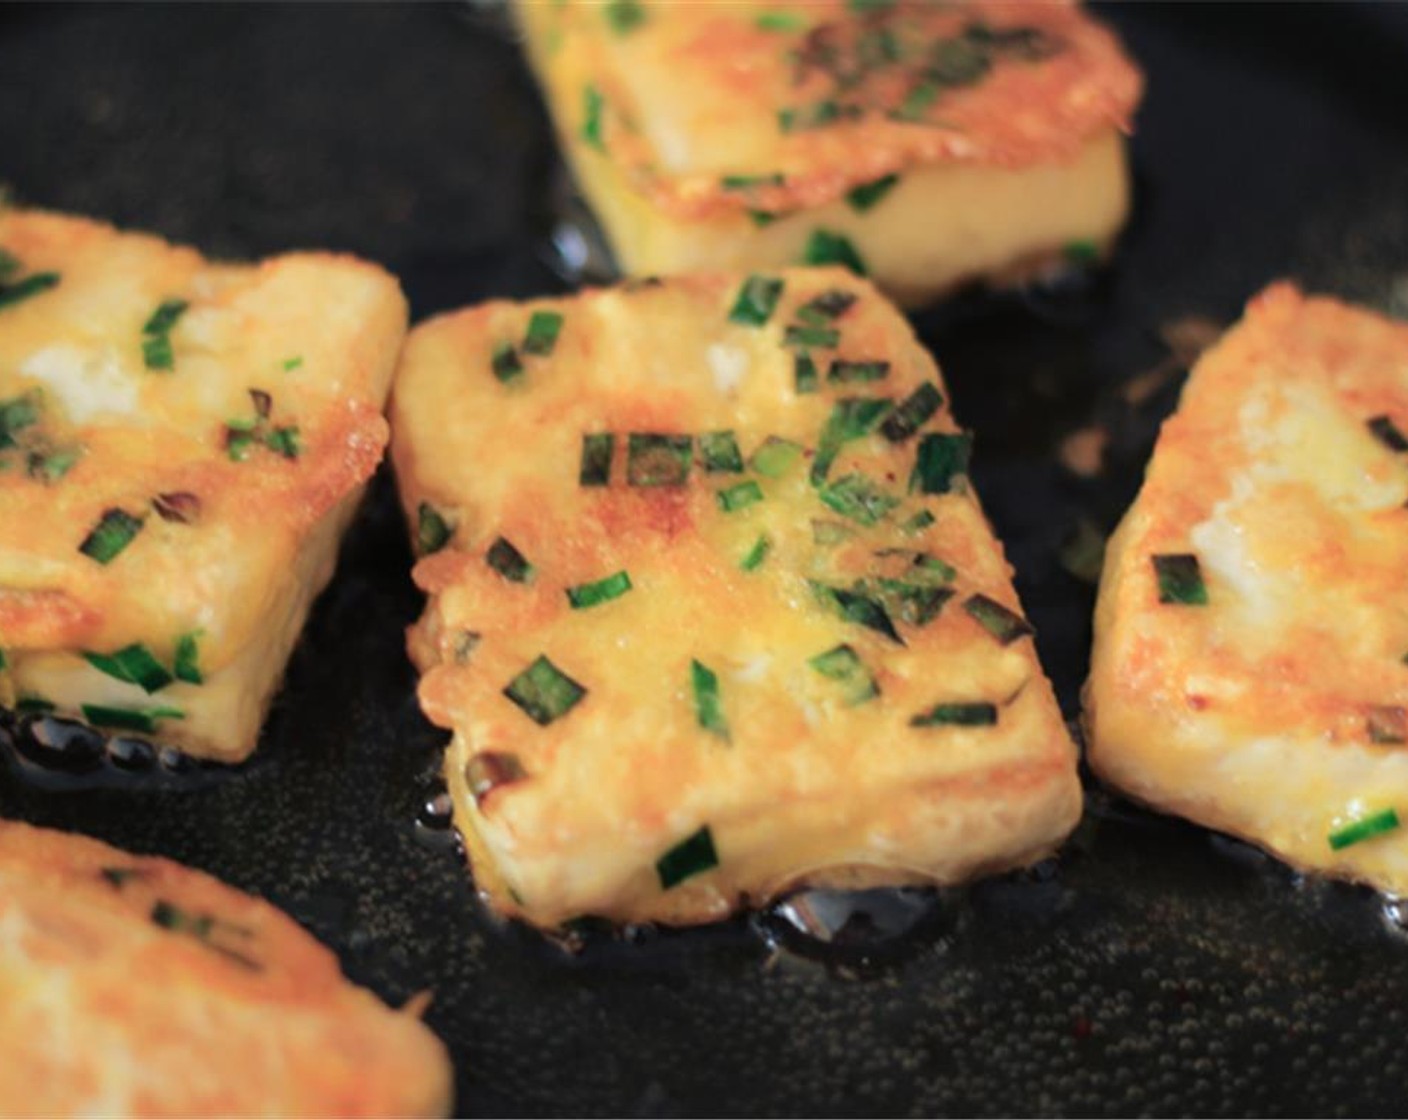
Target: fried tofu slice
<point x="181" y="446"/>
<point x="134" y="986"/>
<point x="930" y="144"/>
<point x="713" y="611"/>
<point x="1252" y="625"/>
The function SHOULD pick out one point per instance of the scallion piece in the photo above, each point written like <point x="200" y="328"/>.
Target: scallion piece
<point x="854" y="606"/>
<point x="918" y="523"/>
<point x="756" y="301"/>
<point x="733" y="498"/>
<point x="505" y="362"/>
<point x="121" y="876"/>
<point x="826" y="246"/>
<point x="593" y="108"/>
<point x="801" y="118"/>
<point x="433" y="532"/>
<point x="1003" y="624"/>
<point x="708" y="709"/>
<point x="1387" y="433"/>
<point x="863" y="197"/>
<point x="844" y="372"/>
<point x="186" y="666"/>
<point x="597" y="450"/>
<point x="1180" y="579"/>
<point x="50" y="466"/>
<point x="718" y="451"/>
<point x="144" y="720"/>
<point x="1387" y="724"/>
<point x="762" y="218"/>
<point x="1083" y="252"/>
<point x="828" y="338"/>
<point x="156" y="334"/>
<point x="284" y="441"/>
<point x="291" y="364"/>
<point x="20" y="290"/>
<point x="775" y="457"/>
<point x="923" y="567"/>
<point x="958" y="62"/>
<point x="16" y="414"/>
<point x="624" y="16"/>
<point x="1375" y="824"/>
<point x="828" y="534"/>
<point x="31" y="705"/>
<point x="752" y="182"/>
<point x="752" y="559"/>
<point x="690" y="857"/>
<point x="543" y="329"/>
<point x="915" y="105"/>
<point x="914" y="603"/>
<point x="780" y="21"/>
<point x="653" y="459"/>
<point x="115" y="530"/>
<point x="544" y="692"/>
<point x="508" y="562"/>
<point x="132" y="664"/>
<point x="858" y="498"/>
<point x="912" y="413"/>
<point x="942" y="458"/>
<point x="586" y="595"/>
<point x="804" y="370"/>
<point x="826" y="307"/>
<point x="843" y="664"/>
<point x="957" y="715"/>
<point x="852" y="418"/>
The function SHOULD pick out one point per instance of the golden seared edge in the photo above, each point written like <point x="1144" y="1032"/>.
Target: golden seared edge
<point x="930" y="143"/>
<point x="713" y="610"/>
<point x="181" y="445"/>
<point x="1252" y="625"/>
<point x="133" y="986"/>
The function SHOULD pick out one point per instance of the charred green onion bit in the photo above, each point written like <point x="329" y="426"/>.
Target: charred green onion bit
<point x="1180" y="579"/>
<point x="691" y="856"/>
<point x="433" y="531"/>
<point x="1005" y="625"/>
<point x="597" y="451"/>
<point x="1375" y="824"/>
<point x="508" y="561"/>
<point x="1386" y="432"/>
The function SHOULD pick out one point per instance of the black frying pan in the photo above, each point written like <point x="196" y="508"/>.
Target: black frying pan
<point x="1153" y="968"/>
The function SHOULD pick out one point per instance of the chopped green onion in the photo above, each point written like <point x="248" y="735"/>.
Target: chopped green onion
<point x="1387" y="433"/>
<point x="826" y="307"/>
<point x="593" y="105"/>
<point x="201" y="927"/>
<point x="707" y="707"/>
<point x="165" y="316"/>
<point x="756" y="301"/>
<point x="958" y="62"/>
<point x="543" y="329"/>
<point x="16" y="414"/>
<point x="825" y="337"/>
<point x="942" y="457"/>
<point x="239" y="438"/>
<point x="802" y="118"/>
<point x="506" y="363"/>
<point x="653" y="459"/>
<point x="144" y="720"/>
<point x="921" y="566"/>
<point x="1003" y="624"/>
<point x="156" y="334"/>
<point x="508" y="562"/>
<point x="866" y="195"/>
<point x="828" y="534"/>
<point x="851" y="419"/>
<point x="858" y="498"/>
<point x="49" y="467"/>
<point x="624" y="16"/>
<point x="186" y="666"/>
<point x="860" y="7"/>
<point x="31" y="705"/>
<point x="719" y="453"/>
<point x="1387" y="723"/>
<point x="1081" y="252"/>
<point x="804" y="369"/>
<point x="918" y="523"/>
<point x="115" y="530"/>
<point x="133" y="664"/>
<point x="1375" y="824"/>
<point x="544" y="692"/>
<point x="291" y="364"/>
<point x="1180" y="579"/>
<point x="844" y="372"/>
<point x="738" y="497"/>
<point x="21" y="290"/>
<point x="761" y="218"/>
<point x="433" y="532"/>
<point x="916" y="103"/>
<point x="285" y="441"/>
<point x="844" y="665"/>
<point x="775" y="457"/>
<point x="597" y="450"/>
<point x="120" y="876"/>
<point x="957" y="715"/>
<point x="915" y="604"/>
<point x="912" y="413"/>
<point x="825" y="246"/>
<point x="856" y="607"/>
<point x="752" y="560"/>
<point x="752" y="182"/>
<point x="586" y="595"/>
<point x="690" y="857"/>
<point x="780" y="21"/>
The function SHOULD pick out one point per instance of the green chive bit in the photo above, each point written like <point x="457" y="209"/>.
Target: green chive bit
<point x="115" y="530"/>
<point x="828" y="534"/>
<point x="144" y="720"/>
<point x="826" y="307"/>
<point x="653" y="459"/>
<point x="285" y="441"/>
<point x="586" y="595"/>
<point x="33" y="705"/>
<point x="544" y="692"/>
<point x="1375" y="824"/>
<point x="508" y="562"/>
<point x="957" y="715"/>
<point x="133" y="664"/>
<point x="690" y="857"/>
<point x="918" y="523"/>
<point x="802" y="118"/>
<point x="597" y="450"/>
<point x="16" y="414"/>
<point x="707" y="707"/>
<point x="1180" y="579"/>
<point x="593" y="105"/>
<point x="752" y="560"/>
<point x="624" y="16"/>
<point x="843" y="665"/>
<point x="187" y="663"/>
<point x="543" y="329"/>
<point x="5" y="664"/>
<point x="863" y="197"/>
<point x="916" y="604"/>
<point x="804" y="370"/>
<point x="752" y="182"/>
<point x="762" y="218"/>
<point x="120" y="876"/>
<point x="942" y="458"/>
<point x="780" y="21"/>
<point x="1084" y="251"/>
<point x="719" y="453"/>
<point x="1387" y="724"/>
<point x="825" y="246"/>
<point x="924" y="567"/>
<point x="156" y="334"/>
<point x="506" y="363"/>
<point x="958" y="62"/>
<point x="1387" y="433"/>
<point x="734" y="498"/>
<point x="756" y="301"/>
<point x="775" y="457"/>
<point x="828" y="338"/>
<point x="843" y="372"/>
<point x="851" y="418"/>
<point x="21" y="290"/>
<point x="858" y="498"/>
<point x="168" y="312"/>
<point x="916" y="103"/>
<point x="433" y="532"/>
<point x="291" y="364"/>
<point x="912" y="413"/>
<point x="49" y="467"/>
<point x="1003" y="624"/>
<point x="857" y="607"/>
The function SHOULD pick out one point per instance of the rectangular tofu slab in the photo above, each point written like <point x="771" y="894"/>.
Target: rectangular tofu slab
<point x="181" y="446"/>
<point x="928" y="144"/>
<point x="713" y="610"/>
<point x="1251" y="636"/>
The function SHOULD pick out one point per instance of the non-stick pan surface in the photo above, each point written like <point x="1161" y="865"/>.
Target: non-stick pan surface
<point x="1153" y="968"/>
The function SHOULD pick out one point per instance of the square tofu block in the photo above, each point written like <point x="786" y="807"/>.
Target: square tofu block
<point x="927" y="143"/>
<point x="713" y="609"/>
<point x="181" y="446"/>
<point x="1252" y="627"/>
